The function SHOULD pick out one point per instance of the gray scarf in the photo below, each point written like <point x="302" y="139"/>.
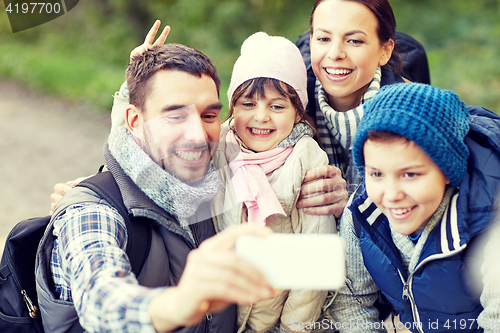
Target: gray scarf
<point x="338" y="129"/>
<point x="342" y="126"/>
<point x="168" y="192"/>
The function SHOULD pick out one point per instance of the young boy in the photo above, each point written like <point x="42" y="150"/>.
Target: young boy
<point x="431" y="170"/>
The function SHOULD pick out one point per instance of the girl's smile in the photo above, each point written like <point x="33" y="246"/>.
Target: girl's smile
<point x="260" y="132"/>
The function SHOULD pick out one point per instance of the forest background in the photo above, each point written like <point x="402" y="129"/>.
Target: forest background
<point x="82" y="56"/>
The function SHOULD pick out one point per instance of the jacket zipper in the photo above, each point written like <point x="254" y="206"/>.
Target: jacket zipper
<point x="208" y="315"/>
<point x="195" y="237"/>
<point x="32" y="309"/>
<point x="408" y="295"/>
<point x="208" y="319"/>
<point x="407" y="285"/>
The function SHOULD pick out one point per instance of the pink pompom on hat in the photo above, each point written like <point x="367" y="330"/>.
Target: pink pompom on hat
<point x="270" y="57"/>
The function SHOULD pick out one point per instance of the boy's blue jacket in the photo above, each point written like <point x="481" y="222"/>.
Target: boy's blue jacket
<point x="439" y="292"/>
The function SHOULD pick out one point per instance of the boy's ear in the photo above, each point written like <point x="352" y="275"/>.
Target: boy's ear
<point x="387" y="48"/>
<point x="132" y="117"/>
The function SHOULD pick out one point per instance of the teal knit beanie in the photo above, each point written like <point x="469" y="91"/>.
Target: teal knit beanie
<point x="436" y="120"/>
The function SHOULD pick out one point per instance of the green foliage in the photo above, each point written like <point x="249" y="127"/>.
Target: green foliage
<point x="83" y="54"/>
<point x="70" y="56"/>
<point x="462" y="40"/>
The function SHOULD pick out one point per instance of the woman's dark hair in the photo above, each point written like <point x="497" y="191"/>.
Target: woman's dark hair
<point x="257" y="87"/>
<point x="386" y="27"/>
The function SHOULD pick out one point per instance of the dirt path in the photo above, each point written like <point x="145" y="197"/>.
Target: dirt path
<point x="43" y="141"/>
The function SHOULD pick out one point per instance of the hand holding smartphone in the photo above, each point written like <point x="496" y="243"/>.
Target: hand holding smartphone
<point x="297" y="261"/>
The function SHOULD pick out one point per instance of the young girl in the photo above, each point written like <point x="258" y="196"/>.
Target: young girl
<point x="267" y="143"/>
<point x="432" y="180"/>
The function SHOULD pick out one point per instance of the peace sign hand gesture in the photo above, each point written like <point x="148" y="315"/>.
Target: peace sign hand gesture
<point x="148" y="41"/>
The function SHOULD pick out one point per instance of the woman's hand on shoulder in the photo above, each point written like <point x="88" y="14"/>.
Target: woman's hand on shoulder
<point x="323" y="192"/>
<point x="60" y="190"/>
<point x="148" y="41"/>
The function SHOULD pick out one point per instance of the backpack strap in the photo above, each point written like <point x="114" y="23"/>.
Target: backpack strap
<point x="139" y="230"/>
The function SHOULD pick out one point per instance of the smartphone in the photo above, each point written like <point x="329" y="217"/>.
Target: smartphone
<point x="297" y="261"/>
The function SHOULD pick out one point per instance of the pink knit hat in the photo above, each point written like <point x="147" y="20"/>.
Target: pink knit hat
<point x="272" y="57"/>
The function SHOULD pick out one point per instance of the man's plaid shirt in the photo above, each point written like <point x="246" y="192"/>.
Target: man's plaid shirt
<point x="91" y="269"/>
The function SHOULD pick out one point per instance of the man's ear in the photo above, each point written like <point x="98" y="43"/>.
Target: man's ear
<point x="132" y="117"/>
<point x="388" y="47"/>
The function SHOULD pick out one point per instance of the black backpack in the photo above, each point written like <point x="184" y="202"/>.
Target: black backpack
<point x="18" y="297"/>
